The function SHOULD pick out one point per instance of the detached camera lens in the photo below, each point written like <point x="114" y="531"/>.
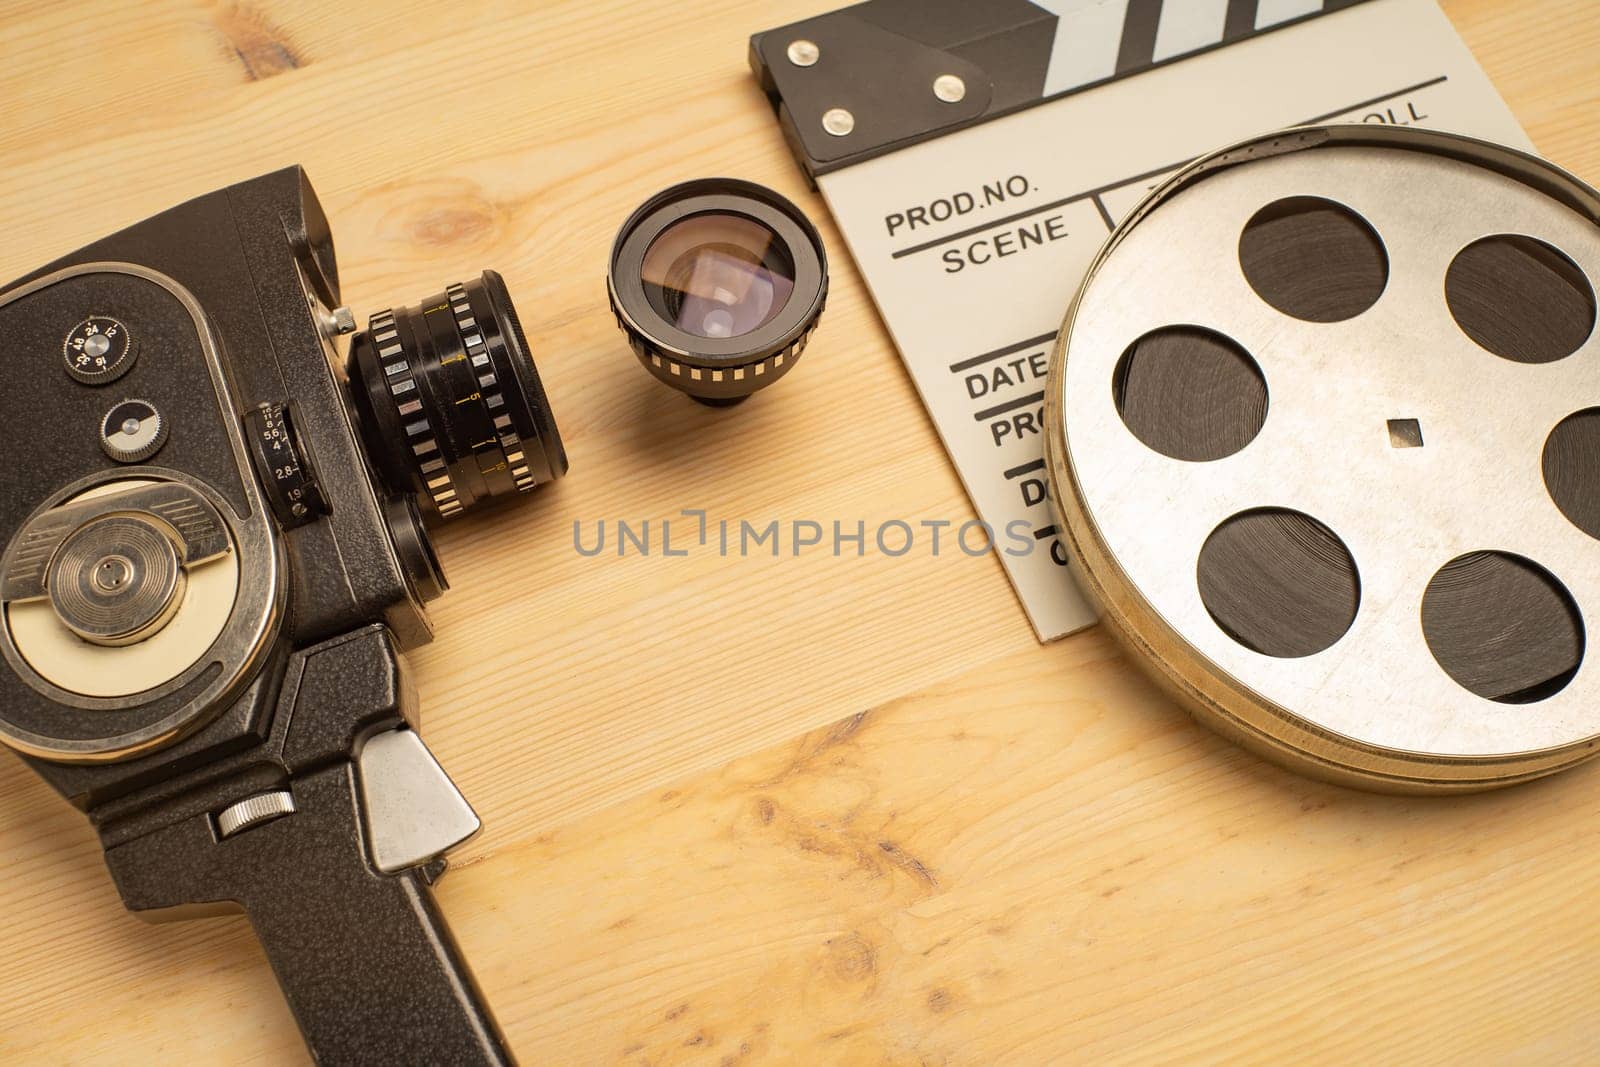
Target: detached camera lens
<point x="718" y="284"/>
<point x="450" y="405"/>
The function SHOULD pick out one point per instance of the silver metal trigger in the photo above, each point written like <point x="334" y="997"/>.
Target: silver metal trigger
<point x="412" y="810"/>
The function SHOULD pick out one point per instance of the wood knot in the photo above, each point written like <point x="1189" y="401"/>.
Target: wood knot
<point x="260" y="47"/>
<point x="854" y="959"/>
<point x="458" y="223"/>
<point x="443" y="213"/>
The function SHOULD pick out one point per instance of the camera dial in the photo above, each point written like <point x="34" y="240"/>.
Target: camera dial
<point x="99" y="350"/>
<point x="293" y="489"/>
<point x="132" y="431"/>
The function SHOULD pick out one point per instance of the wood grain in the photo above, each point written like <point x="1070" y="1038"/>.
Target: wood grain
<point x="757" y="810"/>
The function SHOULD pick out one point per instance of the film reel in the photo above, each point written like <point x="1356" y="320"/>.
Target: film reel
<point x="1323" y="440"/>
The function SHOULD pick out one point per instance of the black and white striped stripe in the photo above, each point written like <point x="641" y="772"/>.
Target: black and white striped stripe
<point x="1100" y="39"/>
<point x="493" y="399"/>
<point x="420" y="436"/>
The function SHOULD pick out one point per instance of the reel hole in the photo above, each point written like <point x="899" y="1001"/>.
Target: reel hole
<point x="1279" y="582"/>
<point x="1190" y="393"/>
<point x="1405" y="433"/>
<point x="1520" y="298"/>
<point x="1313" y="259"/>
<point x="1572" y="469"/>
<point x="1503" y="627"/>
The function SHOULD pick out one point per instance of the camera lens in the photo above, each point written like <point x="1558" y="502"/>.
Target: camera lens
<point x="718" y="284"/>
<point x="449" y="403"/>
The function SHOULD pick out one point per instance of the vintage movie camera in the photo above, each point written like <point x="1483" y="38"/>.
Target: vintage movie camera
<point x="215" y="551"/>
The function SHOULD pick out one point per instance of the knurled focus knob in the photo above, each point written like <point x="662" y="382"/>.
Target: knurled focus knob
<point x="99" y="350"/>
<point x="132" y="431"/>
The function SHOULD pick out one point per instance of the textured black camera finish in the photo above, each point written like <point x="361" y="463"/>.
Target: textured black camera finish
<point x="53" y="441"/>
<point x="365" y="961"/>
<point x="241" y="252"/>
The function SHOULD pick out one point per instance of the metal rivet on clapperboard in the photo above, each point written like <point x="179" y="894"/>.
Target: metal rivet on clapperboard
<point x="949" y="88"/>
<point x="803" y="53"/>
<point x="838" y="121"/>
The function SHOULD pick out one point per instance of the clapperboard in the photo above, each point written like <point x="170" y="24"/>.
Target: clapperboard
<point x="976" y="155"/>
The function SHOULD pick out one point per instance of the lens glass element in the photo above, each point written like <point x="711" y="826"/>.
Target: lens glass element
<point x="718" y="274"/>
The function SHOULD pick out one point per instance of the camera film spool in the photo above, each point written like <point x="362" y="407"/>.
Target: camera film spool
<point x="98" y="601"/>
<point x="1324" y="438"/>
<point x="116" y="580"/>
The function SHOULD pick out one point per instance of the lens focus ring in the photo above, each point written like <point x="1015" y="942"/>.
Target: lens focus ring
<point x="732" y="382"/>
<point x="400" y="376"/>
<point x="450" y="403"/>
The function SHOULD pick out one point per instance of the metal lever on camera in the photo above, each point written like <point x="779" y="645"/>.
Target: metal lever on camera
<point x="334" y="867"/>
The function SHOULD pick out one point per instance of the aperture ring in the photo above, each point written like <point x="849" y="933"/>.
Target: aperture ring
<point x="401" y="379"/>
<point x="490" y="393"/>
<point x="729" y="380"/>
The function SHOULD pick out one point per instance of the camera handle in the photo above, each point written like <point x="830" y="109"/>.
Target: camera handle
<point x="363" y="955"/>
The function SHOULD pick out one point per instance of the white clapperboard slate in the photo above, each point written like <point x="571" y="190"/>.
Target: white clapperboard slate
<point x="973" y="221"/>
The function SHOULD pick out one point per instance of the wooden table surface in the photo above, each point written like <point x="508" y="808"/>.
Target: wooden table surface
<point x="757" y="810"/>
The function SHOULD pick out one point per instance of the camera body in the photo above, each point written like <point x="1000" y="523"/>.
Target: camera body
<point x="214" y="556"/>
